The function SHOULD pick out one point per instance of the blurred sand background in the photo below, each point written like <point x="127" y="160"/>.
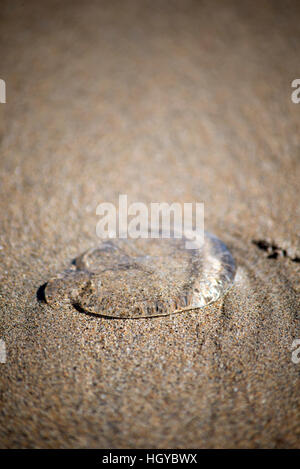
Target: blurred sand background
<point x="166" y="101"/>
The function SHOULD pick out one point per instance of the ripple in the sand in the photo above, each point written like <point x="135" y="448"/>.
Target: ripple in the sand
<point x="132" y="278"/>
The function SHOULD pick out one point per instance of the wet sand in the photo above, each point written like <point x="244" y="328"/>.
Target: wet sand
<point x="166" y="102"/>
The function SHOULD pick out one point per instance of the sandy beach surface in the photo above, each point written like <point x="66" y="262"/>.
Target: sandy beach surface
<point x="164" y="101"/>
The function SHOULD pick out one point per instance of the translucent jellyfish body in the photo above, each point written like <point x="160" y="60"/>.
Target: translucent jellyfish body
<point x="135" y="278"/>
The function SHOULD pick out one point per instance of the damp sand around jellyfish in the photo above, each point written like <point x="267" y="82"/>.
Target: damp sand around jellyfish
<point x="135" y="278"/>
